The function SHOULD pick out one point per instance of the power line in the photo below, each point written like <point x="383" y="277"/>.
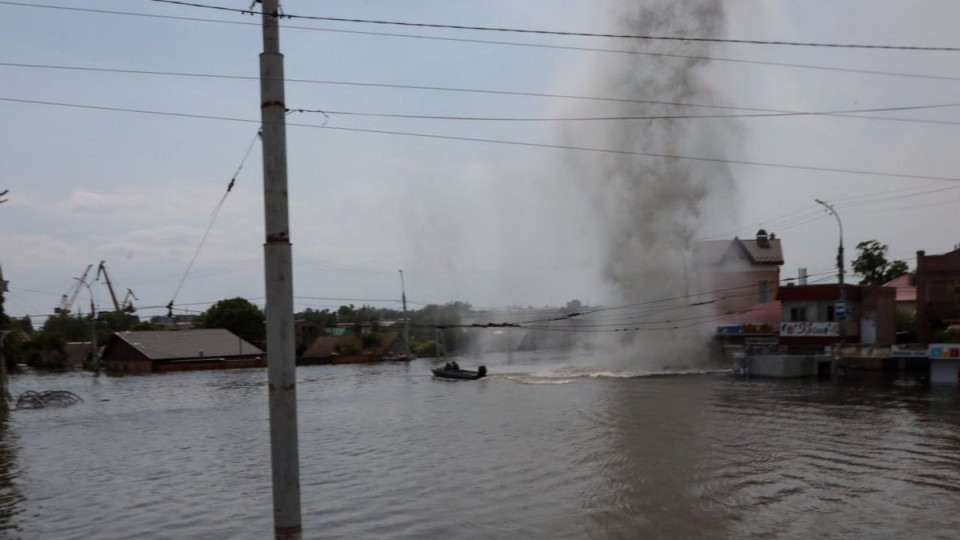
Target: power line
<point x="420" y="37"/>
<point x="649" y="302"/>
<point x="213" y="218"/>
<point x="570" y="33"/>
<point x="357" y="299"/>
<point x="327" y="112"/>
<point x="857" y="114"/>
<point x="509" y="142"/>
<point x="790" y="217"/>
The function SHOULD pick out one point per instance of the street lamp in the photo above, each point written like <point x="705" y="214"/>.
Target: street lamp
<point x="840" y="311"/>
<point x="93" y="313"/>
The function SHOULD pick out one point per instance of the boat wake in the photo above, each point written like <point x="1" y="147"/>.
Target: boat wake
<point x="568" y="372"/>
<point x="530" y="379"/>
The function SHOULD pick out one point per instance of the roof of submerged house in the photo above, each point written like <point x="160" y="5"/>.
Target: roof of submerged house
<point x="167" y="345"/>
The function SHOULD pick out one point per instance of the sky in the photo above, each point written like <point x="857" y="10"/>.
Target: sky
<point x="487" y="223"/>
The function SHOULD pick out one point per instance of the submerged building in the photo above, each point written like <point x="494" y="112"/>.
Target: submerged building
<point x="158" y="351"/>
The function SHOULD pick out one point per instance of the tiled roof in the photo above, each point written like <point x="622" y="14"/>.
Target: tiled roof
<point x="183" y="344"/>
<point x="772" y="254"/>
<point x="905" y="291"/>
<point x="715" y="251"/>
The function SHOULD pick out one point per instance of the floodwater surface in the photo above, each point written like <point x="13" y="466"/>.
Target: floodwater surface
<point x="543" y="448"/>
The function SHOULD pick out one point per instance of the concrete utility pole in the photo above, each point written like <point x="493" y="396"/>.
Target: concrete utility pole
<point x="406" y="320"/>
<point x="4" y="383"/>
<point x="93" y="321"/>
<point x="278" y="266"/>
<point x="843" y="290"/>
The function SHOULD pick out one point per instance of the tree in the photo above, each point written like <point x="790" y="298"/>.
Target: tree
<point x="872" y="264"/>
<point x="68" y="327"/>
<point x="237" y="315"/>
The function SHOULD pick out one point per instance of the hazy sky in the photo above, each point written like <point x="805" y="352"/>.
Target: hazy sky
<point x="486" y="223"/>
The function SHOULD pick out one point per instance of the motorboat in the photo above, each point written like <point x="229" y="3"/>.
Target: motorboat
<point x="454" y="372"/>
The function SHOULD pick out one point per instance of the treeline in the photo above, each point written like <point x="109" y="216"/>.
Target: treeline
<point x="425" y="338"/>
<point x="46" y="347"/>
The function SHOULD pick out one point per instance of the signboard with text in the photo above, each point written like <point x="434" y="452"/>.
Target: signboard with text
<point x="809" y="329"/>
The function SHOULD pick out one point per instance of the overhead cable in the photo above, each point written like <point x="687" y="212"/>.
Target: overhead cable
<point x="327" y="112"/>
<point x="643" y="37"/>
<point x="420" y="37"/>
<point x="612" y="151"/>
<point x="213" y="219"/>
<point x="857" y="114"/>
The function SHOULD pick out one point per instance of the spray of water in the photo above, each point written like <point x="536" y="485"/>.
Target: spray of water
<point x="651" y="209"/>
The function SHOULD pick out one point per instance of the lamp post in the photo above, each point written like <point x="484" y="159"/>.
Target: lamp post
<point x="93" y="314"/>
<point x="841" y="313"/>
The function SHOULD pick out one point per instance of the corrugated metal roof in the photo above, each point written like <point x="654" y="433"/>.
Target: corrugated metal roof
<point x="180" y="344"/>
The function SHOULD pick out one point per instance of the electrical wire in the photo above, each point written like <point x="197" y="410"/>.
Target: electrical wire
<point x="213" y="219"/>
<point x="854" y="114"/>
<point x="844" y="113"/>
<point x="568" y="33"/>
<point x="420" y="37"/>
<point x="808" y="211"/>
<point x="510" y="143"/>
<point x="645" y="303"/>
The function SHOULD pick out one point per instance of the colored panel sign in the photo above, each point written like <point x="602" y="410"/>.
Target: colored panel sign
<point x="945" y="351"/>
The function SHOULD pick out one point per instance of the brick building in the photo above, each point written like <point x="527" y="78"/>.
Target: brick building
<point x="938" y="293"/>
<point x="809" y="321"/>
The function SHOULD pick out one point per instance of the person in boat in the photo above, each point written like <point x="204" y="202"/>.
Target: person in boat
<point x="451" y="366"/>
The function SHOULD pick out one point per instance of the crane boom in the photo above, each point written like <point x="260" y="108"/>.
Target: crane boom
<point x="102" y="269"/>
<point x="67" y="300"/>
<point x="127" y="303"/>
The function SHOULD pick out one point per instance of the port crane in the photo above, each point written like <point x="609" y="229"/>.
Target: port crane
<point x="67" y="300"/>
<point x="126" y="306"/>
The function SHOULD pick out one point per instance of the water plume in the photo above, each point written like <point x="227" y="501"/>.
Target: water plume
<point x="650" y="209"/>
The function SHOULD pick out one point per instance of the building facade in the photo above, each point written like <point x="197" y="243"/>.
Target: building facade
<point x="741" y="273"/>
<point x="938" y="293"/>
<point x="809" y="317"/>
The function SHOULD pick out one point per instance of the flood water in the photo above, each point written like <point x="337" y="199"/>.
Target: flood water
<point x="544" y="448"/>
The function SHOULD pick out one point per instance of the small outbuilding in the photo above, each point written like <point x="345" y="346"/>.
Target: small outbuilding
<point x="158" y="351"/>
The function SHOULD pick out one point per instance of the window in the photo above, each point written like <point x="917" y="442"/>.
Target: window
<point x="798" y="314"/>
<point x="763" y="290"/>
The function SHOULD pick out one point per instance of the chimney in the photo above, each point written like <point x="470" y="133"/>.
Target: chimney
<point x="762" y="240"/>
<point x="803" y="276"/>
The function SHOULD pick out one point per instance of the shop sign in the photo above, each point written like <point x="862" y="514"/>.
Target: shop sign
<point x="944" y="351"/>
<point x="810" y="329"/>
<point x="899" y="352"/>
